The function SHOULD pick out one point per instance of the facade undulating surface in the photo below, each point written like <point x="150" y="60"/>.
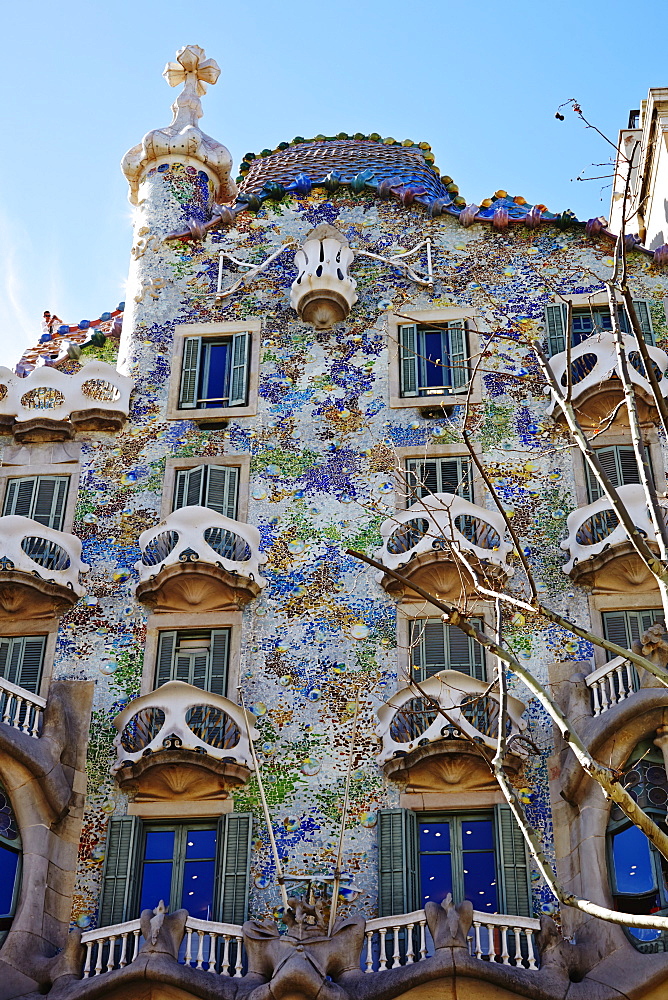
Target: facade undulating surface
<point x="268" y="433"/>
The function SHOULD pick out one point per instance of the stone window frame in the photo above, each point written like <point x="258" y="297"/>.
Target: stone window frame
<point x="213" y="330"/>
<point x="186" y="620"/>
<point x="617" y="602"/>
<point x="422" y="317"/>
<point x="71" y="469"/>
<point x="437" y="451"/>
<point x="174" y="465"/>
<point x="47" y="627"/>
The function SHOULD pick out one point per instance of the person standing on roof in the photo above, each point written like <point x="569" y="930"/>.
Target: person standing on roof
<point x="50" y="323"/>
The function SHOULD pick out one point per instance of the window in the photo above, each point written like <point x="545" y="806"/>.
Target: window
<point x="197" y="656"/>
<point x="620" y="465"/>
<point x="22" y="660"/>
<point x="626" y="627"/>
<point x="201" y="866"/>
<point x="40" y="497"/>
<point x="638" y="873"/>
<point x="10" y="863"/>
<point x="433" y="360"/>
<point x="214" y="373"/>
<point x="589" y="320"/>
<point x="478" y="856"/>
<point x="213" y="486"/>
<point x="436" y="646"/>
<point x="439" y="475"/>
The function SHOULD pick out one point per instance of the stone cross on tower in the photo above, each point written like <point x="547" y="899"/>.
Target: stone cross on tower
<point x="183" y="141"/>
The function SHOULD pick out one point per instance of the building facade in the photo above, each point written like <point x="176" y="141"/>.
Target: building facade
<point x="217" y="718"/>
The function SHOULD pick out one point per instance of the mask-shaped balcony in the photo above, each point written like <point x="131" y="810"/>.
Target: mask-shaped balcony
<point x="182" y="742"/>
<point x="199" y="560"/>
<point x="601" y="554"/>
<point x="421" y="543"/>
<point x="49" y="405"/>
<point x="597" y="387"/>
<point x="40" y="569"/>
<point x="426" y="732"/>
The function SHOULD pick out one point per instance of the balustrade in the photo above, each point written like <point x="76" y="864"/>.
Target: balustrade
<point x="21" y="709"/>
<point x="611" y="684"/>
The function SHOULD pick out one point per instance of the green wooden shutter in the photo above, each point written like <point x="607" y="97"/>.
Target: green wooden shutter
<point x="20" y="496"/>
<point x="23" y="661"/>
<point x="192" y="350"/>
<point x="464" y="653"/>
<point x="199" y="670"/>
<point x="118" y="880"/>
<point x="233" y="866"/>
<point x="408" y="360"/>
<point x="515" y="894"/>
<point x="644" y="314"/>
<point x="165" y="664"/>
<point x="555" y="322"/>
<point x="458" y="355"/>
<point x="221" y="489"/>
<point x="429" y="654"/>
<point x="5" y="654"/>
<point x="397" y="861"/>
<point x="219" y="659"/>
<point x="49" y="500"/>
<point x="239" y="369"/>
<point x="439" y="475"/>
<point x="609" y="461"/>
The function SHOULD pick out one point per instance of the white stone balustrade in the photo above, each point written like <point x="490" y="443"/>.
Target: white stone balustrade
<point x="611" y="684"/>
<point x="405" y="939"/>
<point x="21" y="709"/>
<point x="593" y="528"/>
<point x="199" y="534"/>
<point x="181" y="716"/>
<point x="411" y="718"/>
<point x="49" y="392"/>
<point x="444" y="521"/>
<point x="209" y="946"/>
<point x="26" y="546"/>
<point x="594" y="362"/>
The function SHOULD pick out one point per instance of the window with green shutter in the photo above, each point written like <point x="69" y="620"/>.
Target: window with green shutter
<point x="620" y="465"/>
<point x="213" y="486"/>
<point x="439" y="475"/>
<point x="22" y="660"/>
<point x="42" y="498"/>
<point x="214" y="371"/>
<point x="589" y="320"/>
<point x="478" y="856"/>
<point x="433" y="361"/>
<point x="436" y="646"/>
<point x="626" y="627"/>
<point x="195" y="656"/>
<point x="198" y="865"/>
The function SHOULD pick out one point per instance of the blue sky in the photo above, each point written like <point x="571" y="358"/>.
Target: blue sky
<point x="480" y="81"/>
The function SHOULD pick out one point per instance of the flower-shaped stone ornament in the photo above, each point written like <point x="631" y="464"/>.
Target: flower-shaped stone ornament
<point x="190" y="59"/>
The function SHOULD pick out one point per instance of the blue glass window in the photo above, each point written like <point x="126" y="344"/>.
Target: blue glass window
<point x="10" y="862"/>
<point x="457" y="855"/>
<point x="179" y="867"/>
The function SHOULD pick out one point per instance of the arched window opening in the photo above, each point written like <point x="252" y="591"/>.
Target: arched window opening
<point x="10" y="863"/>
<point x="638" y="873"/>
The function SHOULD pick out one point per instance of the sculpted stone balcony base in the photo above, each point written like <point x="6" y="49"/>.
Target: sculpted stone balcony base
<point x="601" y="554"/>
<point x="180" y="742"/>
<point x="423" y="544"/>
<point x="199" y="560"/>
<point x="40" y="569"/>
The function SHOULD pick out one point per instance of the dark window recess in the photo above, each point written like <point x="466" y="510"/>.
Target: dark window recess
<point x="433" y="361"/>
<point x="197" y="656"/>
<point x="586" y="322"/>
<point x="215" y="372"/>
<point x="213" y="486"/>
<point x="438" y="475"/>
<point x="40" y="497"/>
<point x="634" y="119"/>
<point x="200" y="866"/>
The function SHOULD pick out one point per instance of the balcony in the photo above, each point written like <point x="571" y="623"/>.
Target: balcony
<point x="597" y="387"/>
<point x="612" y="684"/>
<point x="40" y="569"/>
<point x="199" y="560"/>
<point x="426" y="732"/>
<point x="180" y="742"/>
<point x="600" y="552"/>
<point x="422" y="544"/>
<point x="49" y="405"/>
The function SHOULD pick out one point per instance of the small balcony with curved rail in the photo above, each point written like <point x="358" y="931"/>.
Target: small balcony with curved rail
<point x="422" y="544"/>
<point x="180" y="742"/>
<point x="596" y="383"/>
<point x="600" y="552"/>
<point x="199" y="560"/>
<point x="41" y="572"/>
<point x="48" y="405"/>
<point x="428" y="732"/>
